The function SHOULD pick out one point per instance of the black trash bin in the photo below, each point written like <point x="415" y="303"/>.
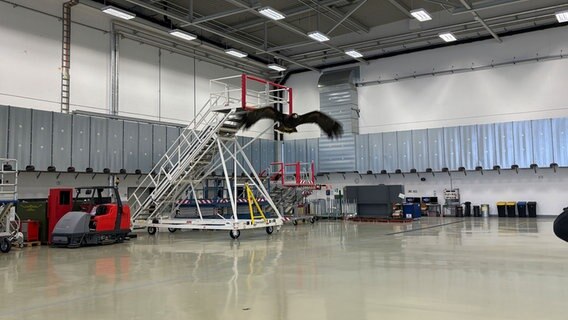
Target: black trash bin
<point x="511" y="207"/>
<point x="476" y="211"/>
<point x="467" y="209"/>
<point x="502" y="209"/>
<point x="522" y="209"/>
<point x="531" y="206"/>
<point x="459" y="211"/>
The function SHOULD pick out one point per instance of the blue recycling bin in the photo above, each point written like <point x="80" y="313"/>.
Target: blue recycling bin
<point x="413" y="209"/>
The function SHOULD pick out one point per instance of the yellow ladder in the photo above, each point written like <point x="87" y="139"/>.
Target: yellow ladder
<point x="251" y="199"/>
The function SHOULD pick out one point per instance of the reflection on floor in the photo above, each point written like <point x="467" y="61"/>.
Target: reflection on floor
<point x="436" y="268"/>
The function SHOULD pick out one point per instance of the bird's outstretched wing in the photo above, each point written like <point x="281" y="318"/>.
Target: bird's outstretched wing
<point x="329" y="125"/>
<point x="251" y="117"/>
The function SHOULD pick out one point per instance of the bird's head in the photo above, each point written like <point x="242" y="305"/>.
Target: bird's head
<point x="294" y="116"/>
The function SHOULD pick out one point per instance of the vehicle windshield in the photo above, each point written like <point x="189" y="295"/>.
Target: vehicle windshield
<point x="87" y="198"/>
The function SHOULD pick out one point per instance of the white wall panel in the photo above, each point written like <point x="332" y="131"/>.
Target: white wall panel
<point x="306" y="98"/>
<point x="176" y="87"/>
<point x="139" y="80"/>
<point x="89" y="69"/>
<point x="30" y="59"/>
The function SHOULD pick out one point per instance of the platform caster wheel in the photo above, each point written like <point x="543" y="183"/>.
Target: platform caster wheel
<point x="235" y="234"/>
<point x="269" y="229"/>
<point x="152" y="230"/>
<point x="172" y="230"/>
<point x="312" y="220"/>
<point x="6" y="245"/>
<point x="295" y="222"/>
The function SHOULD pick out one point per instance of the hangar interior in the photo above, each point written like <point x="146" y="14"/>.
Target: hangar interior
<point x="466" y="107"/>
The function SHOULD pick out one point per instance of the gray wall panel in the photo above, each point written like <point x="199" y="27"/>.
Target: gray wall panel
<point x="560" y="141"/>
<point x="420" y="149"/>
<point x="159" y="142"/>
<point x="81" y="142"/>
<point x="42" y="126"/>
<point x="376" y="152"/>
<point x="486" y="146"/>
<point x="145" y="147"/>
<point x="542" y="142"/>
<point x="19" y="137"/>
<point x="405" y="157"/>
<point x="436" y="157"/>
<point x="289" y="154"/>
<point x="115" y="145"/>
<point x="99" y="145"/>
<point x="337" y="155"/>
<point x="62" y="131"/>
<point x="469" y="148"/>
<point x="522" y="143"/>
<point x="452" y="145"/>
<point x="301" y="151"/>
<point x="130" y="154"/>
<point x="4" y="110"/>
<point x="504" y="146"/>
<point x="362" y="145"/>
<point x="255" y="155"/>
<point x="172" y="133"/>
<point x="390" y="151"/>
<point x="312" y="149"/>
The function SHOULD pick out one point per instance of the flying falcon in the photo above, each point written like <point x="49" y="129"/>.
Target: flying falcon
<point x="288" y="123"/>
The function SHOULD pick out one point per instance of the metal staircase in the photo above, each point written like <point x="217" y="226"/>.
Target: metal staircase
<point x="188" y="161"/>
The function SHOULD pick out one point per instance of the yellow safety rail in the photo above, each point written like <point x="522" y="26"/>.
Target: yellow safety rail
<point x="251" y="199"/>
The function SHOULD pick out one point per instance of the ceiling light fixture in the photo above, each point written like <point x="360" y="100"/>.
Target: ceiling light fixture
<point x="318" y="36"/>
<point x="447" y="36"/>
<point x="182" y="34"/>
<point x="276" y="67"/>
<point x="421" y="15"/>
<point x="562" y="16"/>
<point x="271" y="13"/>
<point x="354" y="53"/>
<point x="119" y="13"/>
<point x="236" y="53"/>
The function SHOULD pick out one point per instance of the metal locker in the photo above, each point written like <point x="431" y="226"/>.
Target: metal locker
<point x="98" y="144"/>
<point x="560" y="141"/>
<point x="145" y="147"/>
<point x="19" y="137"/>
<point x="4" y="111"/>
<point x="486" y="146"/>
<point x="469" y="149"/>
<point x="115" y="145"/>
<point x="504" y="146"/>
<point x="452" y="148"/>
<point x="390" y="151"/>
<point x="522" y="143"/>
<point x="376" y="152"/>
<point x="362" y="151"/>
<point x="159" y="141"/>
<point x="62" y="131"/>
<point x="542" y="142"/>
<point x="42" y="126"/>
<point x="420" y="149"/>
<point x="130" y="154"/>
<point x="436" y="158"/>
<point x="404" y="146"/>
<point x="81" y="142"/>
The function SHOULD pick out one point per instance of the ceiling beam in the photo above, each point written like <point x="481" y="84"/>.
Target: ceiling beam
<point x="402" y="8"/>
<point x="485" y="5"/>
<point x="347" y="15"/>
<point x="216" y="32"/>
<point x="331" y="10"/>
<point x="481" y="21"/>
<point x="289" y="27"/>
<point x="214" y="16"/>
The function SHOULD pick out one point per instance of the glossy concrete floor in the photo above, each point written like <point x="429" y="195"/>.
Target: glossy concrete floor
<point x="431" y="269"/>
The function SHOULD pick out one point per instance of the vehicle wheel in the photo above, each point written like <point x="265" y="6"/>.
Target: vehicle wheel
<point x="269" y="229"/>
<point x="312" y="220"/>
<point x="295" y="222"/>
<point x="235" y="234"/>
<point x="152" y="230"/>
<point x="6" y="245"/>
<point x="172" y="230"/>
